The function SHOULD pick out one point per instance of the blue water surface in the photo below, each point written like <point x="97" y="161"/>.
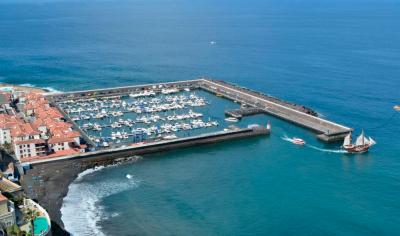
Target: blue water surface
<point x="339" y="57"/>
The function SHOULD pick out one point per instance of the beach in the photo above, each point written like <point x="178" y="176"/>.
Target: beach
<point x="48" y="183"/>
<point x="24" y="88"/>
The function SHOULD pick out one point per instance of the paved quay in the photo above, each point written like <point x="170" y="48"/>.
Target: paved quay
<point x="326" y="130"/>
<point x="165" y="145"/>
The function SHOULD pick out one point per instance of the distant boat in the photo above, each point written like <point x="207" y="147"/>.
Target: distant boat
<point x="170" y="137"/>
<point x="298" y="141"/>
<point x="397" y="107"/>
<point x="231" y="119"/>
<point x="213" y="42"/>
<point x="361" y="145"/>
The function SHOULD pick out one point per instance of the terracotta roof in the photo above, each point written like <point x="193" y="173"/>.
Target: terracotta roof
<point x="50" y="117"/>
<point x="3" y="198"/>
<point x="60" y="140"/>
<point x="34" y="141"/>
<point x="63" y="153"/>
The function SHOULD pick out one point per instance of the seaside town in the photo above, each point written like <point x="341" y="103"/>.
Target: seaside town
<point x="35" y="127"/>
<point x="100" y="127"/>
<point x="30" y="128"/>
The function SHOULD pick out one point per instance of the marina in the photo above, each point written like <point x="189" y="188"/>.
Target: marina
<point x="136" y="117"/>
<point x="115" y="117"/>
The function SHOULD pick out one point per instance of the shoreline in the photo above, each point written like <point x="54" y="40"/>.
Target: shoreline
<point x="24" y="88"/>
<point x="49" y="184"/>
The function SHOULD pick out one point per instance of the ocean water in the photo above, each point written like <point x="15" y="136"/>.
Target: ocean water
<point x="339" y="57"/>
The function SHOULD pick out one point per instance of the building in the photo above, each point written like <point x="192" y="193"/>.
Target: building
<point x="7" y="123"/>
<point x="7" y="212"/>
<point x="5" y="100"/>
<point x="36" y="129"/>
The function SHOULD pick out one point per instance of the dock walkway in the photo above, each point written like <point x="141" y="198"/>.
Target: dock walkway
<point x="243" y="111"/>
<point x="165" y="145"/>
<point x="326" y="130"/>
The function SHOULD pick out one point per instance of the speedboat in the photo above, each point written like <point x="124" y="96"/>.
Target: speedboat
<point x="298" y="141"/>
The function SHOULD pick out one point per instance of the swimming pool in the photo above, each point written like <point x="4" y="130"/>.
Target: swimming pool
<point x="40" y="225"/>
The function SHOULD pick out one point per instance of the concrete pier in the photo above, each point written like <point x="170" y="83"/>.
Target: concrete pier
<point x="153" y="147"/>
<point x="256" y="102"/>
<point x="244" y="111"/>
<point x="326" y="130"/>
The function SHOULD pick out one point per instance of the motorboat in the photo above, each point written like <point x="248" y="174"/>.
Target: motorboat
<point x="298" y="141"/>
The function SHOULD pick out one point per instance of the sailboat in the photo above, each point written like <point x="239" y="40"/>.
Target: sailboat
<point x="361" y="145"/>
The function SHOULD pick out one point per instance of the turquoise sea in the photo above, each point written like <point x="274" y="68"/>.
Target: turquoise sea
<point x="339" y="57"/>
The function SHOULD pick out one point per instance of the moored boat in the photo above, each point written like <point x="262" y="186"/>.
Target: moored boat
<point x="231" y="119"/>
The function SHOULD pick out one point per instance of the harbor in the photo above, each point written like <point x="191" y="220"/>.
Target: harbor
<point x="151" y="117"/>
<point x="135" y="115"/>
<point x="199" y="118"/>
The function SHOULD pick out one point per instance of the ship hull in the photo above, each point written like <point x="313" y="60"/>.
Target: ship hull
<point x="357" y="149"/>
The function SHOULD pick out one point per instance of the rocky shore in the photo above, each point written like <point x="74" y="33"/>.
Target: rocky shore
<point x="48" y="184"/>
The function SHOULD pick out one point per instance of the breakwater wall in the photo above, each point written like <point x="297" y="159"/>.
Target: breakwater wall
<point x="118" y="91"/>
<point x="326" y="130"/>
<point x="161" y="146"/>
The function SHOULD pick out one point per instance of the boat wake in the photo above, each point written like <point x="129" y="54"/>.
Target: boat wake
<point x="286" y="138"/>
<point x="85" y="197"/>
<point x="327" y="150"/>
<point x="129" y="176"/>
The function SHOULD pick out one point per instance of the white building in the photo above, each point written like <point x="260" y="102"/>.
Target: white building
<point x="7" y="212"/>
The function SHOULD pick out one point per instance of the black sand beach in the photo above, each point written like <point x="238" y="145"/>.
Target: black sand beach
<point x="48" y="184"/>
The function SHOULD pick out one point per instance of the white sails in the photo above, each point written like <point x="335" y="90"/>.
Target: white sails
<point x="361" y="145"/>
<point x="347" y="140"/>
<point x="371" y="141"/>
<point x="362" y="140"/>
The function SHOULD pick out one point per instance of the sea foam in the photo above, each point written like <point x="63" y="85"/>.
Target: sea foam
<point x="50" y="89"/>
<point x="81" y="209"/>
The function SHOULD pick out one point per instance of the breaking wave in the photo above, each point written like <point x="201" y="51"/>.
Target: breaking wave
<point x="81" y="209"/>
<point x="50" y="89"/>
